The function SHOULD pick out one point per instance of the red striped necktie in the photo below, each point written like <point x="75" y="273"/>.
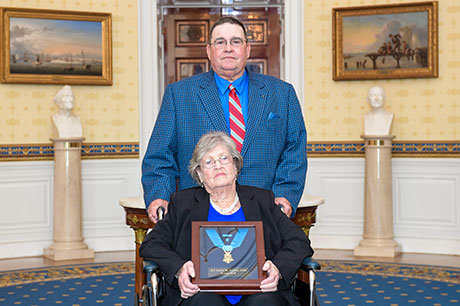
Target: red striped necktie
<point x="237" y="129"/>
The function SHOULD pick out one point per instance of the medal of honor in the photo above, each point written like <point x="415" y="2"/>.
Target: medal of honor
<point x="227" y="257"/>
<point x="227" y="248"/>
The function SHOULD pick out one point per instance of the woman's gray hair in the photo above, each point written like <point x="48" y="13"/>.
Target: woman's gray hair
<point x="208" y="142"/>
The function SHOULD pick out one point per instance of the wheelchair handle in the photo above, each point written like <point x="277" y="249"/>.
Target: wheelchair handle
<point x="281" y="207"/>
<point x="160" y="212"/>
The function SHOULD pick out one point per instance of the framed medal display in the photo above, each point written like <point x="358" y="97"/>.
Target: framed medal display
<point x="228" y="256"/>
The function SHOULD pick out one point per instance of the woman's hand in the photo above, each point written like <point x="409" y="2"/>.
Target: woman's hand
<point x="187" y="289"/>
<point x="270" y="284"/>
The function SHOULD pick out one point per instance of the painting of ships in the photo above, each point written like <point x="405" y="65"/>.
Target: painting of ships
<point x="37" y="57"/>
<point x="25" y="58"/>
<point x="83" y="63"/>
<point x="15" y="58"/>
<point x="69" y="66"/>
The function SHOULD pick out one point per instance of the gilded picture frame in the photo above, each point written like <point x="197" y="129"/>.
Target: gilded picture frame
<point x="257" y="32"/>
<point x="191" y="33"/>
<point x="55" y="47"/>
<point x="385" y="41"/>
<point x="188" y="67"/>
<point x="258" y="65"/>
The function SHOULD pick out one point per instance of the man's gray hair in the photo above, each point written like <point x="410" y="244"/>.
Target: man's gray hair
<point x="208" y="142"/>
<point x="231" y="20"/>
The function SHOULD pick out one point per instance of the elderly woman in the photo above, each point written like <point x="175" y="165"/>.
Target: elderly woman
<point x="215" y="165"/>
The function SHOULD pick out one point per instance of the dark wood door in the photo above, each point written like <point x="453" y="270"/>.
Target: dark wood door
<point x="186" y="33"/>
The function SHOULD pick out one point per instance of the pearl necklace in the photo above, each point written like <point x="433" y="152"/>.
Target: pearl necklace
<point x="225" y="211"/>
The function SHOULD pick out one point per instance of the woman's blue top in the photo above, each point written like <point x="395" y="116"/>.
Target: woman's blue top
<point x="214" y="215"/>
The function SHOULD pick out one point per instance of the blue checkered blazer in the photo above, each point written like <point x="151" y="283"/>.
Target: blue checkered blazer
<point x="274" y="148"/>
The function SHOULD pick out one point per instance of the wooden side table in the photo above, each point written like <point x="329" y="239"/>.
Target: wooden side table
<point x="137" y="219"/>
<point x="305" y="216"/>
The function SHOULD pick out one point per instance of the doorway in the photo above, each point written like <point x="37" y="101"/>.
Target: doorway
<point x="184" y="34"/>
<point x="151" y="74"/>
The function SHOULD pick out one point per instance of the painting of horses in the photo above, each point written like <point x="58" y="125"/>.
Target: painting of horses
<point x="385" y="42"/>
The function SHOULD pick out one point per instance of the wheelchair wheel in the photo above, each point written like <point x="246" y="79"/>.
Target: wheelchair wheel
<point x="136" y="300"/>
<point x="316" y="301"/>
<point x="146" y="296"/>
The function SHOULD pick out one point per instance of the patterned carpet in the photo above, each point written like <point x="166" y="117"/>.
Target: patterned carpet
<point x="338" y="283"/>
<point x="364" y="283"/>
<point x="91" y="284"/>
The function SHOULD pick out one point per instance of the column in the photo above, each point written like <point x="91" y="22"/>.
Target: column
<point x="67" y="227"/>
<point x="378" y="199"/>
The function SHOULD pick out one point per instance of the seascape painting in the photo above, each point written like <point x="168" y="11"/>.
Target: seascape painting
<point x="386" y="41"/>
<point x="53" y="46"/>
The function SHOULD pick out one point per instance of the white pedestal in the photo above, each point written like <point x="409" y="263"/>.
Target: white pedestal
<point x="378" y="202"/>
<point x="67" y="227"/>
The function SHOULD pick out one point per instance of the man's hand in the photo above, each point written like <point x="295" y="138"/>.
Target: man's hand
<point x="153" y="209"/>
<point x="187" y="289"/>
<point x="287" y="206"/>
<point x="270" y="284"/>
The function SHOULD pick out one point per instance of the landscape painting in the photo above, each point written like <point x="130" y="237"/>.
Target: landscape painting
<point x="47" y="47"/>
<point x="382" y="42"/>
<point x="52" y="46"/>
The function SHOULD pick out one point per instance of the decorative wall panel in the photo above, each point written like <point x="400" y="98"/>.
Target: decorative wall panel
<point x="26" y="222"/>
<point x="426" y="203"/>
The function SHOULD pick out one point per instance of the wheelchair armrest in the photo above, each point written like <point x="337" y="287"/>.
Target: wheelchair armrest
<point x="156" y="284"/>
<point x="150" y="267"/>
<point x="310" y="264"/>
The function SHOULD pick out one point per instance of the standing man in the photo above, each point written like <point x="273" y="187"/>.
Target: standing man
<point x="261" y="113"/>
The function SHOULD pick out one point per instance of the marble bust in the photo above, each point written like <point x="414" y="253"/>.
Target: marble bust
<point x="66" y="124"/>
<point x="378" y="121"/>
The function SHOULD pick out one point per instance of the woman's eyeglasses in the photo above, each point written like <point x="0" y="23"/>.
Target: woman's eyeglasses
<point x="210" y="162"/>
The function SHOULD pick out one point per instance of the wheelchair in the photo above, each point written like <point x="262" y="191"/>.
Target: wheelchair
<point x="303" y="285"/>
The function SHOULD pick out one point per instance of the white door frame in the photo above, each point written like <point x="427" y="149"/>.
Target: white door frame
<point x="150" y="98"/>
